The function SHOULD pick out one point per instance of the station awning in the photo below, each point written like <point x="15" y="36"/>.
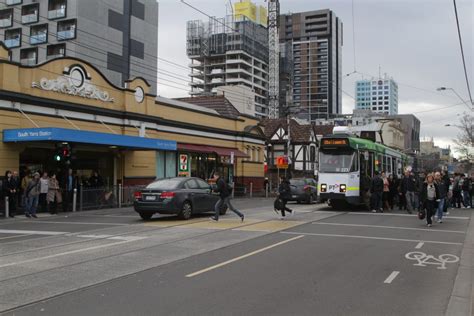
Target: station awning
<point x="221" y="151"/>
<point x="53" y="134"/>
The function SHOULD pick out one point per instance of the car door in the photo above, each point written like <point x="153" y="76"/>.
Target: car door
<point x="194" y="194"/>
<point x="208" y="198"/>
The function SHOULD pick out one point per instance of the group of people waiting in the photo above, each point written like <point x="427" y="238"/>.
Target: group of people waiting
<point x="44" y="192"/>
<point x="432" y="193"/>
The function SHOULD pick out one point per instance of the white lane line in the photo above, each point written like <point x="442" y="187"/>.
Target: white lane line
<point x="242" y="257"/>
<point x="391" y="227"/>
<point x="391" y="277"/>
<point x="111" y="237"/>
<point x="16" y="236"/>
<point x="404" y="215"/>
<point x="375" y="238"/>
<point x="419" y="245"/>
<point x="77" y="223"/>
<point x="31" y="232"/>
<point x="64" y="254"/>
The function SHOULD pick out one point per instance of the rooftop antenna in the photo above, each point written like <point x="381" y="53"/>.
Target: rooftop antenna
<point x="380" y="71"/>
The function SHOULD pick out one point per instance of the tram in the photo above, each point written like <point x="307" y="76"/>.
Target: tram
<point x="347" y="164"/>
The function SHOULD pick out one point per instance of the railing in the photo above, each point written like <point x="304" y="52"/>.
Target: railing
<point x="38" y="38"/>
<point x="6" y="22"/>
<point x="28" y="61"/>
<point x="55" y="14"/>
<point x="63" y="35"/>
<point x="29" y="18"/>
<point x="12" y="2"/>
<point x="14" y="42"/>
<point x="106" y="197"/>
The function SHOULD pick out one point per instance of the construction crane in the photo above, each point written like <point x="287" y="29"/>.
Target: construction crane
<point x="273" y="58"/>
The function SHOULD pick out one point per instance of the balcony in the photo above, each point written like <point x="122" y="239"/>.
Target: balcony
<point x="6" y="17"/>
<point x="29" y="18"/>
<point x="57" y="13"/>
<point x="28" y="61"/>
<point x="13" y="2"/>
<point x="38" y="38"/>
<point x="12" y="42"/>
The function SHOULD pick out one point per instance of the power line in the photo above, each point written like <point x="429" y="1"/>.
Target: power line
<point x="462" y="53"/>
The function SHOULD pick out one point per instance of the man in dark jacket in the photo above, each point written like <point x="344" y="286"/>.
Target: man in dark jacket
<point x="224" y="200"/>
<point x="443" y="193"/>
<point x="466" y="188"/>
<point x="408" y="188"/>
<point x="284" y="191"/>
<point x="70" y="182"/>
<point x="376" y="188"/>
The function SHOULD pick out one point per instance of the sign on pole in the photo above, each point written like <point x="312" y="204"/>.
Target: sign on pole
<point x="282" y="162"/>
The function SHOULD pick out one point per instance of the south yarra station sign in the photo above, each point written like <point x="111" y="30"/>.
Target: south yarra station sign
<point x="75" y="81"/>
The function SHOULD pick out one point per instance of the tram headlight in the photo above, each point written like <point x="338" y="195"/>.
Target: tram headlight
<point x="342" y="188"/>
<point x="324" y="187"/>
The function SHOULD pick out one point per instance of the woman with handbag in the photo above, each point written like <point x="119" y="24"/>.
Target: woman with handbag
<point x="54" y="195"/>
<point x="429" y="198"/>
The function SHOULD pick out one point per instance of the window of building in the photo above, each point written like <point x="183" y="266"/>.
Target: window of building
<point x="374" y="103"/>
<point x="385" y="97"/>
<point x="13" y="38"/>
<point x="374" y="92"/>
<point x="380" y="108"/>
<point x="385" y="102"/>
<point x="386" y="87"/>
<point x="39" y="34"/>
<point x="380" y="98"/>
<point x="30" y="13"/>
<point x="54" y="51"/>
<point x="380" y="92"/>
<point x="386" y="108"/>
<point x="6" y="18"/>
<point x="57" y="9"/>
<point x="385" y="92"/>
<point x="66" y="29"/>
<point x="29" y="56"/>
<point x="13" y="2"/>
<point x="374" y="108"/>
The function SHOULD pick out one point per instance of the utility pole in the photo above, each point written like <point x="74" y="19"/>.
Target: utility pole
<point x="273" y="58"/>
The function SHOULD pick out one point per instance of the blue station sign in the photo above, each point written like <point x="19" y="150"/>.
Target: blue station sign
<point x="85" y="137"/>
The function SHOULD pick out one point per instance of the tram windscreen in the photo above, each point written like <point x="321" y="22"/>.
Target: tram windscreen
<point x="337" y="162"/>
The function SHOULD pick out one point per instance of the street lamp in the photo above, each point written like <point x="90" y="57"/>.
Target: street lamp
<point x="457" y="94"/>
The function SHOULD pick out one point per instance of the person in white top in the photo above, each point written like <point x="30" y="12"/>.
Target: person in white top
<point x="44" y="187"/>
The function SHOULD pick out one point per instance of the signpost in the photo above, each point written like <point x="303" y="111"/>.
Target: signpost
<point x="183" y="165"/>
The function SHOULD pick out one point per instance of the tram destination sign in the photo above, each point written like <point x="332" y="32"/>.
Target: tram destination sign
<point x="335" y="142"/>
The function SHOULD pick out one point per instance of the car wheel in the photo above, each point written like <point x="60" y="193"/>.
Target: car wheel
<point x="223" y="210"/>
<point x="146" y="216"/>
<point x="186" y="211"/>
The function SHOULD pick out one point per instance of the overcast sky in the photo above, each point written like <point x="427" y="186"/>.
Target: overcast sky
<point x="413" y="41"/>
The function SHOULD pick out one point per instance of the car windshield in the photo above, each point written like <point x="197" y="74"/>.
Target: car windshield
<point x="298" y="182"/>
<point x="335" y="162"/>
<point x="165" y="184"/>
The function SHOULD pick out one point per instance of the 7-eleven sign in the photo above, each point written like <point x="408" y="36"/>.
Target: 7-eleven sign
<point x="183" y="163"/>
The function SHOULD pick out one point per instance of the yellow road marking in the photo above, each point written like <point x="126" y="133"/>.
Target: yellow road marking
<point x="165" y="222"/>
<point x="270" y="226"/>
<point x="222" y="224"/>
<point x="242" y="257"/>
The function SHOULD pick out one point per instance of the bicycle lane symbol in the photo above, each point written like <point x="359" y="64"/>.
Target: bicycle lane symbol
<point x="424" y="260"/>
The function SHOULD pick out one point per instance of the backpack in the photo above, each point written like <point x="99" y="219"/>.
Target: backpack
<point x="421" y="214"/>
<point x="278" y="204"/>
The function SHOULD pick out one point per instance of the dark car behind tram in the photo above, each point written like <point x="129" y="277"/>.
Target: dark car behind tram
<point x="181" y="196"/>
<point x="304" y="190"/>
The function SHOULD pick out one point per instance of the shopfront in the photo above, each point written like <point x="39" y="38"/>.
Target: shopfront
<point x="128" y="135"/>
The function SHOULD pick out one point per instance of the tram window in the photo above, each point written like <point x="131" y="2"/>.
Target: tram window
<point x="336" y="162"/>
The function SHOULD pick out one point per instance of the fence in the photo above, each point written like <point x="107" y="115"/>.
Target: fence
<point x="250" y="191"/>
<point x="108" y="197"/>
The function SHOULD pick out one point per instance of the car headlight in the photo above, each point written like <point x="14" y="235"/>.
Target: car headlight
<point x="342" y="188"/>
<point x="324" y="187"/>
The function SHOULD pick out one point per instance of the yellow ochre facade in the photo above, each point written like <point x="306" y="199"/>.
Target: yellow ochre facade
<point x="71" y="96"/>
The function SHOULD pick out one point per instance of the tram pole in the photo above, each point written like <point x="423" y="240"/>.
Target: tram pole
<point x="7" y="207"/>
<point x="74" y="200"/>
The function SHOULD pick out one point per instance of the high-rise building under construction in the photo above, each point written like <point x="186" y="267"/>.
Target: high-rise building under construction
<point x="231" y="51"/>
<point x="311" y="64"/>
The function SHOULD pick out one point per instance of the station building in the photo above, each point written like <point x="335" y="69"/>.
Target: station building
<point x="127" y="134"/>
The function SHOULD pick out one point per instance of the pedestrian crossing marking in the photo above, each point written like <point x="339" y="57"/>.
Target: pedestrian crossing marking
<point x="167" y="222"/>
<point x="271" y="226"/>
<point x="222" y="224"/>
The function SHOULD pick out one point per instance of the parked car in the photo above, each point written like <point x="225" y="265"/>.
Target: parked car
<point x="181" y="196"/>
<point x="304" y="190"/>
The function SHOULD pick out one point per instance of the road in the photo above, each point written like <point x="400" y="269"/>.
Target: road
<point x="318" y="262"/>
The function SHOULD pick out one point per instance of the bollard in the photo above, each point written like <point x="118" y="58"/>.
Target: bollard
<point x="74" y="200"/>
<point x="120" y="196"/>
<point x="7" y="207"/>
<point x="233" y="189"/>
<point x="251" y="189"/>
<point x="81" y="197"/>
<point x="266" y="190"/>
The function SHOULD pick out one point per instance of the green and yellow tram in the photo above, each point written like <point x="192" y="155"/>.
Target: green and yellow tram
<point x="347" y="163"/>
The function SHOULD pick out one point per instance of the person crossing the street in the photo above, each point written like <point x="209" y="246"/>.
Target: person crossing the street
<point x="429" y="196"/>
<point x="224" y="200"/>
<point x="284" y="194"/>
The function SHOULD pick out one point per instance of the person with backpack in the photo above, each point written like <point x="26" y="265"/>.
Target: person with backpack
<point x="32" y="195"/>
<point x="376" y="190"/>
<point x="224" y="198"/>
<point x="429" y="195"/>
<point x="284" y="194"/>
<point x="466" y="188"/>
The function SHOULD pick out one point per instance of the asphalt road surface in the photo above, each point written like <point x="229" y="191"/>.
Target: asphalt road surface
<point x="318" y="262"/>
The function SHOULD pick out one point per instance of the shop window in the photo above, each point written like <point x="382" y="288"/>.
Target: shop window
<point x="165" y="164"/>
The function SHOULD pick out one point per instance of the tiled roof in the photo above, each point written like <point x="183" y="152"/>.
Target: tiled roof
<point x="218" y="103"/>
<point x="323" y="129"/>
<point x="298" y="132"/>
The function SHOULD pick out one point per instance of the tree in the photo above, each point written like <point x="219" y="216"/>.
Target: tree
<point x="465" y="139"/>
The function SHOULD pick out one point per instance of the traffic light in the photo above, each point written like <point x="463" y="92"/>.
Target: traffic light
<point x="63" y="154"/>
<point x="57" y="157"/>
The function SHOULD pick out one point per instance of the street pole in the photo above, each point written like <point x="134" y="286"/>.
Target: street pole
<point x="7" y="207"/>
<point x="120" y="195"/>
<point x="74" y="200"/>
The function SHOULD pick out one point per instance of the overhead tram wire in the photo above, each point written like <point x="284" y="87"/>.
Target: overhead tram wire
<point x="462" y="54"/>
